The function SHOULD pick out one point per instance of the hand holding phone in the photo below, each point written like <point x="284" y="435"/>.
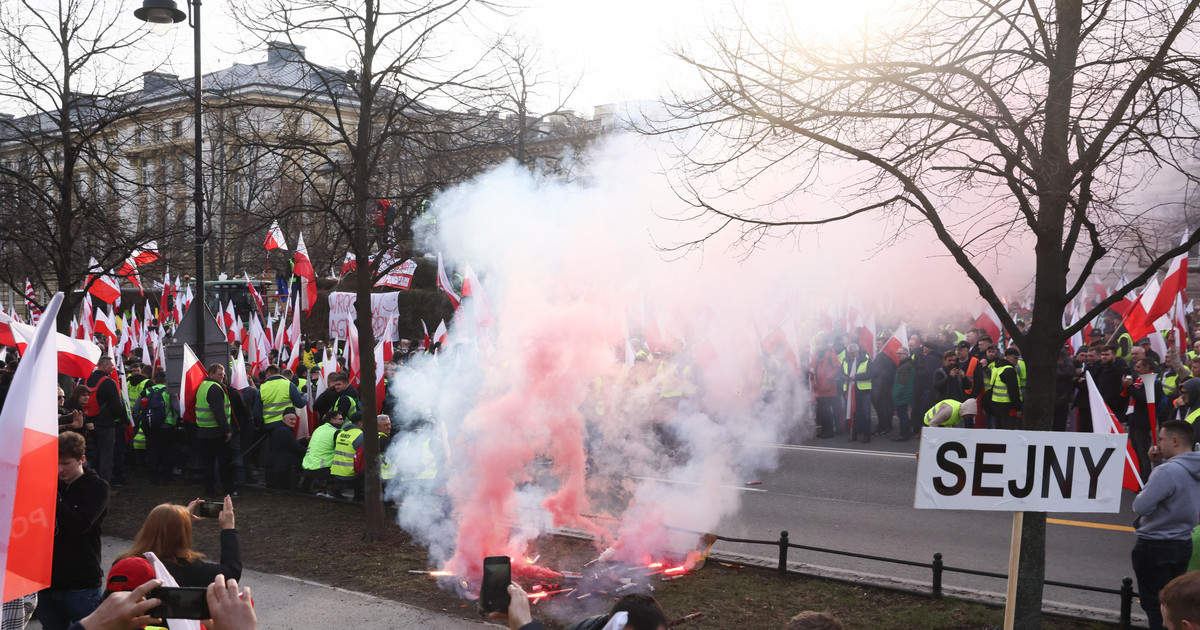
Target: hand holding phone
<point x="493" y="593"/>
<point x="180" y="602"/>
<point x="206" y="509"/>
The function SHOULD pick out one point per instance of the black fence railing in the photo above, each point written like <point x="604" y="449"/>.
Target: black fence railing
<point x="938" y="568"/>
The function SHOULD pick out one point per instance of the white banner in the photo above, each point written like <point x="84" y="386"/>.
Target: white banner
<point x="1035" y="471"/>
<point x="343" y="314"/>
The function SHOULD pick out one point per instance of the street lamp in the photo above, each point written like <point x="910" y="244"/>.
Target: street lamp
<point x="164" y="13"/>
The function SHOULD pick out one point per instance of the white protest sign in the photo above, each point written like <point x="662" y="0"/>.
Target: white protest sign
<point x="342" y="314"/>
<point x="1036" y="471"/>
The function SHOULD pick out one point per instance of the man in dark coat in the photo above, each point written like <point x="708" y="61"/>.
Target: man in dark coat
<point x="106" y="413"/>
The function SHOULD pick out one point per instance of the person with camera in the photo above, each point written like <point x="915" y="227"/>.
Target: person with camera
<point x="168" y="533"/>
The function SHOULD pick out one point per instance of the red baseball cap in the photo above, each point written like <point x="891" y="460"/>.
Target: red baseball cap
<point x="129" y="574"/>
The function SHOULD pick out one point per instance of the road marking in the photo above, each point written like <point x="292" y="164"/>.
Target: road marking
<point x="696" y="483"/>
<point x="829" y="449"/>
<point x="1115" y="528"/>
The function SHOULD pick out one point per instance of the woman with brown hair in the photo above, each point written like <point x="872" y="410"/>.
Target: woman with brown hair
<point x="168" y="533"/>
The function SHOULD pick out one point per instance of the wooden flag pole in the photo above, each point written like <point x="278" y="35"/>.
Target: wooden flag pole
<point x="1014" y="560"/>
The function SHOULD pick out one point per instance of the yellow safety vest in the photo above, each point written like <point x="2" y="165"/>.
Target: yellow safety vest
<point x="999" y="389"/>
<point x="1021" y="377"/>
<point x="955" y="418"/>
<point x="862" y="386"/>
<point x="139" y="441"/>
<point x="1170" y="383"/>
<point x="385" y="467"/>
<point x="204" y="415"/>
<point x="428" y="464"/>
<point x="343" y="453"/>
<point x="276" y="396"/>
<point x="1191" y="417"/>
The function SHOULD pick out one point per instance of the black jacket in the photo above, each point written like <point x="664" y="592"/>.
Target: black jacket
<point x="108" y="398"/>
<point x="82" y="505"/>
<point x="285" y="450"/>
<point x="201" y="573"/>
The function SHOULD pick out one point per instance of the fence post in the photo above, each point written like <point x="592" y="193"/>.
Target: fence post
<point x="937" y="576"/>
<point x="1126" y="603"/>
<point x="783" y="549"/>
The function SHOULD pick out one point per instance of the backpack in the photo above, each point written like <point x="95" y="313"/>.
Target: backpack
<point x="154" y="408"/>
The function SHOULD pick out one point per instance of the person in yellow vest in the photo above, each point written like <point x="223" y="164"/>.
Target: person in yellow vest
<point x="1005" y="401"/>
<point x="856" y="367"/>
<point x="157" y="413"/>
<point x="278" y="393"/>
<point x="319" y="455"/>
<point x="951" y="413"/>
<point x="386" y="470"/>
<point x="341" y="469"/>
<point x="214" y="432"/>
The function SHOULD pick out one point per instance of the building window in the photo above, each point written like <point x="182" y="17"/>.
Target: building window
<point x="177" y="129"/>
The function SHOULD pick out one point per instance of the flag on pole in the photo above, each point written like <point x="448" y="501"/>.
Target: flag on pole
<point x="1106" y="422"/>
<point x="238" y="379"/>
<point x="293" y="338"/>
<point x="1174" y="284"/>
<point x="28" y="465"/>
<point x="308" y="276"/>
<point x="31" y="303"/>
<point x="275" y="238"/>
<point x="146" y="254"/>
<point x="443" y="283"/>
<point x="349" y="264"/>
<point x="102" y="285"/>
<point x="898" y="340"/>
<point x="128" y="271"/>
<point x="105" y="325"/>
<point x="193" y="374"/>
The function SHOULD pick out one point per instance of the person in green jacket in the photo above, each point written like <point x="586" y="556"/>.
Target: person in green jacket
<point x="902" y="393"/>
<point x="319" y="456"/>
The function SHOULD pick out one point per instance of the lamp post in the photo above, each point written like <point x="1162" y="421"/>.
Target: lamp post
<point x="160" y="13"/>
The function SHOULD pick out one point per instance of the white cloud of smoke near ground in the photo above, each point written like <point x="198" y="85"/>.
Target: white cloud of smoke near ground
<point x="542" y="423"/>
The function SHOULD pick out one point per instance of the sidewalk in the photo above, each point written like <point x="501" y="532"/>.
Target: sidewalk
<point x="287" y="603"/>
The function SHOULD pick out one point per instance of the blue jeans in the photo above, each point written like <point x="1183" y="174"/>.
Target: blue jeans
<point x="58" y="608"/>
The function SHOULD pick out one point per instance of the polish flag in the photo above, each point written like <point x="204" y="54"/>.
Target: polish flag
<point x="76" y="357"/>
<point x="229" y="317"/>
<point x="275" y="238"/>
<point x="258" y="301"/>
<point x="128" y="271"/>
<point x="1076" y="340"/>
<point x="308" y="276"/>
<point x="442" y="334"/>
<point x="990" y="323"/>
<point x="102" y="285"/>
<point x="147" y="254"/>
<point x="1123" y="305"/>
<point x="31" y="303"/>
<point x="425" y="341"/>
<point x="28" y="465"/>
<point x="193" y="374"/>
<point x="1133" y="478"/>
<point x="350" y="264"/>
<point x="443" y="283"/>
<point x="293" y="337"/>
<point x="866" y="335"/>
<point x="473" y="289"/>
<point x="105" y="325"/>
<point x="188" y="296"/>
<point x="258" y="346"/>
<point x="1179" y="323"/>
<point x="353" y="363"/>
<point x="85" y="319"/>
<point x="382" y="355"/>
<point x="1174" y="284"/>
<point x="898" y="340"/>
<point x="1137" y="320"/>
<point x="168" y="288"/>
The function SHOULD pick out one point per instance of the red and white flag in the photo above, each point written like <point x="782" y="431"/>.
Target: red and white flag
<point x="350" y="264"/>
<point x="28" y="465"/>
<point x="168" y="290"/>
<point x="229" y="317"/>
<point x="1179" y="323"/>
<point x="275" y="238"/>
<point x="442" y="334"/>
<point x="106" y="325"/>
<point x="425" y="341"/>
<point x="443" y="283"/>
<point x="1137" y="320"/>
<point x="238" y="379"/>
<point x="898" y="340"/>
<point x="293" y="338"/>
<point x="193" y="374"/>
<point x="480" y="305"/>
<point x="1174" y="284"/>
<point x="31" y="303"/>
<point x="353" y="362"/>
<point x="1107" y="423"/>
<point x="258" y="300"/>
<point x="146" y="254"/>
<point x="383" y="354"/>
<point x="128" y="271"/>
<point x="990" y="323"/>
<point x="308" y="276"/>
<point x="866" y="335"/>
<point x="102" y="285"/>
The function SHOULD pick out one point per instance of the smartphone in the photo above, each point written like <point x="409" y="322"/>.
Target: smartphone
<point x="209" y="510"/>
<point x="180" y="602"/>
<point x="497" y="575"/>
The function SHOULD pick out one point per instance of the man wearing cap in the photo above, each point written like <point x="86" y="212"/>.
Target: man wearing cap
<point x="951" y="413"/>
<point x="1006" y="391"/>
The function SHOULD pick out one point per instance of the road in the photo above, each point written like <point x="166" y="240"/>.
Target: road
<point x="847" y="496"/>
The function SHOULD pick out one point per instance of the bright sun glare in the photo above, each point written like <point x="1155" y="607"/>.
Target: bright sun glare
<point x="840" y="21"/>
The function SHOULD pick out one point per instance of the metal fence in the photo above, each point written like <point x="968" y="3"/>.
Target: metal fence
<point x="938" y="568"/>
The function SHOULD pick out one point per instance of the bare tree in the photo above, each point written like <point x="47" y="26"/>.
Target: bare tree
<point x="993" y="123"/>
<point x="67" y="192"/>
<point x="358" y="136"/>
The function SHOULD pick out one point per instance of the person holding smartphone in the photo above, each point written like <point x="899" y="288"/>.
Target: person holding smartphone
<point x="168" y="533"/>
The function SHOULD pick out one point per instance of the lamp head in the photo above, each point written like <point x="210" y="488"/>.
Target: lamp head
<point x="160" y="13"/>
